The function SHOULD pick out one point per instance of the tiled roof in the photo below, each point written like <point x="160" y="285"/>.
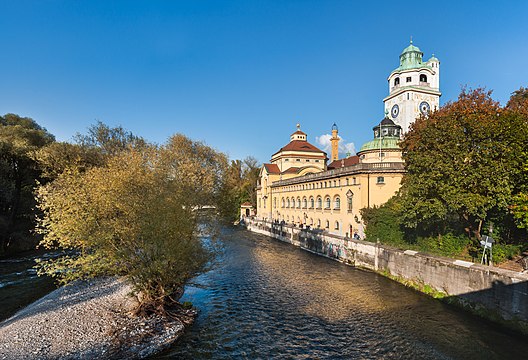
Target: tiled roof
<point x="351" y="160"/>
<point x="292" y="170"/>
<point x="299" y="132"/>
<point x="272" y="168"/>
<point x="299" y="145"/>
<point x="247" y="203"/>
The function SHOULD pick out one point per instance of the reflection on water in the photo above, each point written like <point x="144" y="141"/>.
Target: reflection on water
<point x="268" y="299"/>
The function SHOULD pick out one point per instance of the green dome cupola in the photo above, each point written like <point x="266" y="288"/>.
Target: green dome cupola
<point x="411" y="57"/>
<point x="386" y="136"/>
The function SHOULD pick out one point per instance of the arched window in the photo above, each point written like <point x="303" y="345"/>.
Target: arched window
<point x="327" y="224"/>
<point x="312" y="202"/>
<point x="327" y="202"/>
<point x="318" y="223"/>
<point x="282" y="202"/>
<point x="337" y="203"/>
<point x="298" y="203"/>
<point x="304" y="203"/>
<point x="423" y="78"/>
<point x="287" y="202"/>
<point x="311" y="221"/>
<point x="319" y="202"/>
<point x="336" y="225"/>
<point x="397" y="81"/>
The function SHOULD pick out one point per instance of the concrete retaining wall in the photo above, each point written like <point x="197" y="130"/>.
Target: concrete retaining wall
<point x="498" y="294"/>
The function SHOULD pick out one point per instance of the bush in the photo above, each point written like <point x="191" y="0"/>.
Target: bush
<point x="382" y="223"/>
<point x="503" y="252"/>
<point x="444" y="245"/>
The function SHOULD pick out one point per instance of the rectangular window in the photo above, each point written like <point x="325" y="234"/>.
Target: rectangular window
<point x="298" y="160"/>
<point x="408" y="79"/>
<point x="381" y="180"/>
<point x="307" y="160"/>
<point x="316" y="160"/>
<point x="286" y="159"/>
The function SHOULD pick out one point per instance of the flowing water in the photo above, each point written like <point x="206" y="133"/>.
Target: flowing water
<point x="19" y="283"/>
<point x="266" y="299"/>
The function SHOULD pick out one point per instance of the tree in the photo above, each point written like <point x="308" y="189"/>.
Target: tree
<point x="138" y="215"/>
<point x="20" y="137"/>
<point x="109" y="141"/>
<point x="517" y="112"/>
<point x="58" y="157"/>
<point x="250" y="175"/>
<point x="462" y="159"/>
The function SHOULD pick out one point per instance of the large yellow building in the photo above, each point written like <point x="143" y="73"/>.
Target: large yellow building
<point x="299" y="187"/>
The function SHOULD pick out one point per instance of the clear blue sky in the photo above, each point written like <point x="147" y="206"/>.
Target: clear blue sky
<point x="240" y="74"/>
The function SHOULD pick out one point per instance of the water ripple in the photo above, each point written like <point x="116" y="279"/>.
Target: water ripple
<point x="269" y="300"/>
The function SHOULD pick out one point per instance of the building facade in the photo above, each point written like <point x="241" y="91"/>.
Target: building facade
<point x="299" y="187"/>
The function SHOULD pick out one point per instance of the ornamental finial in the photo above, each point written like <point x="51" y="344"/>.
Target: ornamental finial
<point x="298" y="126"/>
<point x="411" y="39"/>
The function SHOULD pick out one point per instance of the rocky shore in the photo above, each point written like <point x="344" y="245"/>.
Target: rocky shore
<point x="90" y="319"/>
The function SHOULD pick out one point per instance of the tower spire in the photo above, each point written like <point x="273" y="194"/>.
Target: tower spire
<point x="335" y="143"/>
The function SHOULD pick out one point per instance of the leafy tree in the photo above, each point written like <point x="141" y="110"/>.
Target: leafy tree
<point x="58" y="157"/>
<point x="240" y="185"/>
<point x="517" y="112"/>
<point x="20" y="137"/>
<point x="138" y="215"/>
<point x="383" y="223"/>
<point x="109" y="141"/>
<point x="250" y="175"/>
<point x="461" y="159"/>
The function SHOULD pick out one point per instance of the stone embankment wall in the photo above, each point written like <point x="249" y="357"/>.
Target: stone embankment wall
<point x="498" y="294"/>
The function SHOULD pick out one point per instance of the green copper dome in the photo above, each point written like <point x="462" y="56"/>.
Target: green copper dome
<point x="387" y="143"/>
<point x="386" y="132"/>
<point x="410" y="48"/>
<point x="411" y="58"/>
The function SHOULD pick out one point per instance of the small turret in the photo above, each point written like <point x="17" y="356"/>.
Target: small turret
<point x="298" y="135"/>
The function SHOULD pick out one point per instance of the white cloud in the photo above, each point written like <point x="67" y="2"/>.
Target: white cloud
<point x="345" y="148"/>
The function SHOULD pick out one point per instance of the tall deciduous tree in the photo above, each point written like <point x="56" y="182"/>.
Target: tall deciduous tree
<point x="464" y="160"/>
<point x="517" y="112"/>
<point x="20" y="137"/>
<point x="139" y="215"/>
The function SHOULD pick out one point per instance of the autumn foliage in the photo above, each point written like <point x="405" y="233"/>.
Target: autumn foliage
<point x="467" y="170"/>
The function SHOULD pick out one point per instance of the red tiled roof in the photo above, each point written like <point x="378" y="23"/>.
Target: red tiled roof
<point x="292" y="170"/>
<point x="247" y="203"/>
<point x="351" y="160"/>
<point x="299" y="132"/>
<point x="272" y="168"/>
<point x="299" y="145"/>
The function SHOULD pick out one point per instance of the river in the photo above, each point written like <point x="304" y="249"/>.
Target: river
<point x="266" y="299"/>
<point x="19" y="283"/>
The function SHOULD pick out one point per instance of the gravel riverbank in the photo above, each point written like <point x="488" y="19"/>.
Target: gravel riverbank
<point x="86" y="320"/>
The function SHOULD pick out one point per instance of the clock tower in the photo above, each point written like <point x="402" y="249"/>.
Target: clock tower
<point x="414" y="87"/>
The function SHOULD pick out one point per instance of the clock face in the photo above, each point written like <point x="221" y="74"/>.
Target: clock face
<point x="395" y="111"/>
<point x="424" y="107"/>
